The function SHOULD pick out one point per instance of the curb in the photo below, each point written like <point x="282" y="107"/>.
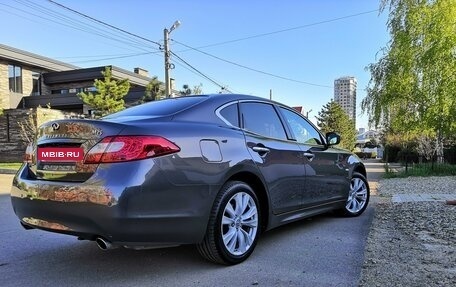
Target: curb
<point x="7" y="171"/>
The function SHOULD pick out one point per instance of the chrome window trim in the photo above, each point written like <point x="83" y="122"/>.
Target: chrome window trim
<point x="219" y="115"/>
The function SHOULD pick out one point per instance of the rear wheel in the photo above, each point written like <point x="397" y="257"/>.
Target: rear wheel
<point x="358" y="196"/>
<point x="233" y="228"/>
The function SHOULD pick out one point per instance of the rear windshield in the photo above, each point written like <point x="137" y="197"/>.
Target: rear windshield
<point x="159" y="108"/>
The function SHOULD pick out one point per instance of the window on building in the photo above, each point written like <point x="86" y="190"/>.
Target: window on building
<point x="15" y="78"/>
<point x="36" y="88"/>
<point x="60" y="91"/>
<point x="90" y="89"/>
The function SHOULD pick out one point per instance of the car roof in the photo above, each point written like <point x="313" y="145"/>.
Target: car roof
<point x="187" y="110"/>
<point x="214" y="101"/>
<point x="237" y="97"/>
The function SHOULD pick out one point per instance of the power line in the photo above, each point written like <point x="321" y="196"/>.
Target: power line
<point x="190" y="48"/>
<point x="70" y="22"/>
<point x="181" y="64"/>
<point x="286" y="30"/>
<point x="252" y="69"/>
<point x="267" y="34"/>
<point x="67" y="22"/>
<point x="112" y="58"/>
<point x="223" y="87"/>
<point x="99" y="56"/>
<point x="77" y="24"/>
<point x="104" y="23"/>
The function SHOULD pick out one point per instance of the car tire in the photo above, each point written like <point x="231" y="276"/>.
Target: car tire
<point x="358" y="196"/>
<point x="234" y="225"/>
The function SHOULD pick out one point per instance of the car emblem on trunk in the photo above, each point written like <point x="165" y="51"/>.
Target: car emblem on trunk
<point x="55" y="126"/>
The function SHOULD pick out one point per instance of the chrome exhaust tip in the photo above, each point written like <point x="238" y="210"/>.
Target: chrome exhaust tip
<point x="104" y="244"/>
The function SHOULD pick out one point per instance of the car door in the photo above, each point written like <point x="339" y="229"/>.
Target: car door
<point x="326" y="177"/>
<point x="278" y="159"/>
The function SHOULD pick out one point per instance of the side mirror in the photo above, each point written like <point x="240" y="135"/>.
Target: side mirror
<point x="332" y="138"/>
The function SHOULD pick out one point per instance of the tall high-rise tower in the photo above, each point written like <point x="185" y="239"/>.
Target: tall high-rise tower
<point x="345" y="95"/>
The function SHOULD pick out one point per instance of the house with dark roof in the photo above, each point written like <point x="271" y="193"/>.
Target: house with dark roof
<point x="29" y="80"/>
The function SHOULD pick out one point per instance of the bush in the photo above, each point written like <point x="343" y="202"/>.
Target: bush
<point x="425" y="170"/>
<point x="390" y="153"/>
<point x="449" y="154"/>
<point x="408" y="156"/>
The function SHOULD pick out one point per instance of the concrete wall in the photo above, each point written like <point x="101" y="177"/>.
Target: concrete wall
<point x="12" y="140"/>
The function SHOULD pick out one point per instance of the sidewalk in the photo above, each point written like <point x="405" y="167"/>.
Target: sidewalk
<point x="5" y="183"/>
<point x="398" y="198"/>
<point x="375" y="170"/>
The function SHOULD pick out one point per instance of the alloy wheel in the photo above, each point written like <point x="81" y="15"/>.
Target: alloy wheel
<point x="358" y="195"/>
<point x="239" y="225"/>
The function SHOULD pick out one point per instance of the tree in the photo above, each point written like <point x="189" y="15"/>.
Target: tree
<point x="332" y="118"/>
<point x="154" y="91"/>
<point x="198" y="89"/>
<point x="413" y="85"/>
<point x="109" y="95"/>
<point x="35" y="117"/>
<point x="185" y="90"/>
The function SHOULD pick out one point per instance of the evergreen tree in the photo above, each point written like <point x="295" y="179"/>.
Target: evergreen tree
<point x="332" y="118"/>
<point x="109" y="95"/>
<point x="154" y="91"/>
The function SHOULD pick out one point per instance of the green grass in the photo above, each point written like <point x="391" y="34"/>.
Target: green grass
<point x="10" y="165"/>
<point x="423" y="170"/>
<point x="390" y="174"/>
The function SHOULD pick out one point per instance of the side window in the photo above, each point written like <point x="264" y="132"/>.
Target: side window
<point x="262" y="119"/>
<point x="230" y="114"/>
<point x="303" y="131"/>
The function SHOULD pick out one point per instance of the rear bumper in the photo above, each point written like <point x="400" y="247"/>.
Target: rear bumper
<point x="144" y="209"/>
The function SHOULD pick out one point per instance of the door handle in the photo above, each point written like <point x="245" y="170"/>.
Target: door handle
<point x="260" y="149"/>
<point x="310" y="156"/>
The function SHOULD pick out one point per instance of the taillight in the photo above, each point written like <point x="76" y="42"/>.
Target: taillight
<point x="127" y="148"/>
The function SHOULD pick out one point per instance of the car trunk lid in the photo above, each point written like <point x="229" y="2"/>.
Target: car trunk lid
<point x="74" y="136"/>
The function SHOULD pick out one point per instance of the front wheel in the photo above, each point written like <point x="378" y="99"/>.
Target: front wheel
<point x="234" y="225"/>
<point x="358" y="196"/>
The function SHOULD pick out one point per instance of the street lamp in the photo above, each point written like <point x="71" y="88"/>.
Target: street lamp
<point x="168" y="65"/>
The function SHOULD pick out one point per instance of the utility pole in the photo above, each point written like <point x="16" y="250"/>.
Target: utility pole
<point x="270" y="94"/>
<point x="168" y="65"/>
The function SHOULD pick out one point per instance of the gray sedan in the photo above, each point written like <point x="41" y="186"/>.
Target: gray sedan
<point x="210" y="170"/>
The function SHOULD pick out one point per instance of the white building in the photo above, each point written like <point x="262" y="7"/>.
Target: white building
<point x="345" y="95"/>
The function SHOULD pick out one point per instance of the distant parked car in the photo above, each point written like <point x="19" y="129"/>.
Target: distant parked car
<point x="210" y="170"/>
